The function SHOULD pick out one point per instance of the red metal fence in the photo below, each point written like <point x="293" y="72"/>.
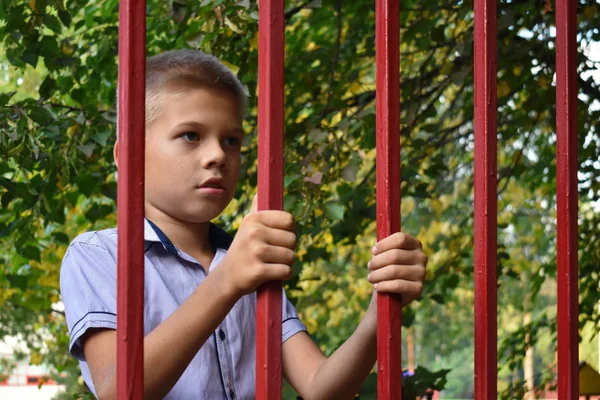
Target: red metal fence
<point x="270" y="187"/>
<point x="130" y="199"/>
<point x="387" y="48"/>
<point x="485" y="199"/>
<point x="566" y="198"/>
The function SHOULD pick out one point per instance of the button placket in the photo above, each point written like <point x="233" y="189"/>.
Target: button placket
<point x="225" y="359"/>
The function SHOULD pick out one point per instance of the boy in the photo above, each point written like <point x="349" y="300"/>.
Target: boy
<point x="199" y="313"/>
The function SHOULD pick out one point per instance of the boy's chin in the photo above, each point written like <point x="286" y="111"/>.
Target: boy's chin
<point x="205" y="215"/>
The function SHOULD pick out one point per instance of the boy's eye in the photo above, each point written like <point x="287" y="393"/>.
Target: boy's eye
<point x="232" y="141"/>
<point x="190" y="136"/>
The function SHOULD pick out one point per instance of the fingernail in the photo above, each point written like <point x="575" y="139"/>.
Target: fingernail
<point x="375" y="286"/>
<point x="369" y="264"/>
<point x="369" y="277"/>
<point x="374" y="250"/>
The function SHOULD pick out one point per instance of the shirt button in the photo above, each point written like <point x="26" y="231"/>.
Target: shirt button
<point x="222" y="336"/>
<point x="231" y="394"/>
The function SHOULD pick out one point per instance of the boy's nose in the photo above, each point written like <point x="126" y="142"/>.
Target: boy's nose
<point x="213" y="155"/>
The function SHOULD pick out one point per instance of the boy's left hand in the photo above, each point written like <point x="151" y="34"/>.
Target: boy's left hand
<point x="398" y="266"/>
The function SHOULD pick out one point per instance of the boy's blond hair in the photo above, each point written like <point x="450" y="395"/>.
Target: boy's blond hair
<point x="172" y="73"/>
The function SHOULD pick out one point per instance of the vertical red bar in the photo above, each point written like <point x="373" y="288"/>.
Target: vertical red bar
<point x="566" y="193"/>
<point x="389" y="315"/>
<point x="271" y="41"/>
<point x="485" y="201"/>
<point x="130" y="200"/>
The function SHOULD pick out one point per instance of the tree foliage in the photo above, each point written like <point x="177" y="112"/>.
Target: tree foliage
<point x="57" y="176"/>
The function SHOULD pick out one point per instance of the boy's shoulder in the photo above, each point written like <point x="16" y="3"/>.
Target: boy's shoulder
<point x="105" y="239"/>
<point x="95" y="237"/>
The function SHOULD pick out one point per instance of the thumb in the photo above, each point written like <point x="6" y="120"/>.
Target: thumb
<point x="254" y="207"/>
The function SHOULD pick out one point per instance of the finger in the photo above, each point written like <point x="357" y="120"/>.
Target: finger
<point x="278" y="219"/>
<point x="398" y="240"/>
<point x="280" y="237"/>
<point x="276" y="255"/>
<point x="413" y="273"/>
<point x="397" y="256"/>
<point x="254" y="207"/>
<point x="408" y="290"/>
<point x="277" y="272"/>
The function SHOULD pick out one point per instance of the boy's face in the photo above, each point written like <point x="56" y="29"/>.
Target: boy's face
<point x="193" y="155"/>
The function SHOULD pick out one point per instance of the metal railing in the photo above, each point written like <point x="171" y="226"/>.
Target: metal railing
<point x="270" y="187"/>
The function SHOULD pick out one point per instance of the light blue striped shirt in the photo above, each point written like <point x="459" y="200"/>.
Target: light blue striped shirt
<point x="224" y="367"/>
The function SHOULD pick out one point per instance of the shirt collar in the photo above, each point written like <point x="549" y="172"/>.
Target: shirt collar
<point x="217" y="236"/>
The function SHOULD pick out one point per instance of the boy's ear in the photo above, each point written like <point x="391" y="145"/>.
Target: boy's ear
<point x="116" y="153"/>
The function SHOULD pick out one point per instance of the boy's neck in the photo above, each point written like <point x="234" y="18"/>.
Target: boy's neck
<point x="192" y="238"/>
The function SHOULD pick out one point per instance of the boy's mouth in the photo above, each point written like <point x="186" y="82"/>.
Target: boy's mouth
<point x="212" y="186"/>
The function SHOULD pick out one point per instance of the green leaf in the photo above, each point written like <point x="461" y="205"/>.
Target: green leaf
<point x="87" y="149"/>
<point x="31" y="253"/>
<point x="102" y="137"/>
<point x="335" y="211"/>
<point x="65" y="17"/>
<point x="52" y="22"/>
<point x="438" y="298"/>
<point x="98" y="211"/>
<point x="78" y="95"/>
<point x="289" y="202"/>
<point x="47" y="86"/>
<point x="60" y="237"/>
<point x="4" y="168"/>
<point x="289" y="179"/>
<point x="30" y="58"/>
<point x="5" y="97"/>
<point x="17" y="281"/>
<point x="40" y="115"/>
<point x="49" y="47"/>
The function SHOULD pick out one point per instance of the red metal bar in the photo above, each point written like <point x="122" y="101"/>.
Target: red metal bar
<point x="271" y="41"/>
<point x="566" y="192"/>
<point x="130" y="200"/>
<point x="389" y="312"/>
<point x="485" y="201"/>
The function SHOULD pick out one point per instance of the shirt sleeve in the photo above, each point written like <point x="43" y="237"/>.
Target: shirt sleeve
<point x="88" y="288"/>
<point x="290" y="320"/>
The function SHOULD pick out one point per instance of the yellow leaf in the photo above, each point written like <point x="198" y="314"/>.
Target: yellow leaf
<point x="503" y="89"/>
<point x="517" y="70"/>
<point x="446" y="68"/>
<point x="437" y="206"/>
<point x="35" y="358"/>
<point x="336" y="119"/>
<point x="232" y="67"/>
<point x="232" y="26"/>
<point x="590" y="11"/>
<point x="254" y="42"/>
<point x="408" y="205"/>
<point x="355" y="87"/>
<point x="49" y="280"/>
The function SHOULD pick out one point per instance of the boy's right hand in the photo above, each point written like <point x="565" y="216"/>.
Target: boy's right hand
<point x="263" y="250"/>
